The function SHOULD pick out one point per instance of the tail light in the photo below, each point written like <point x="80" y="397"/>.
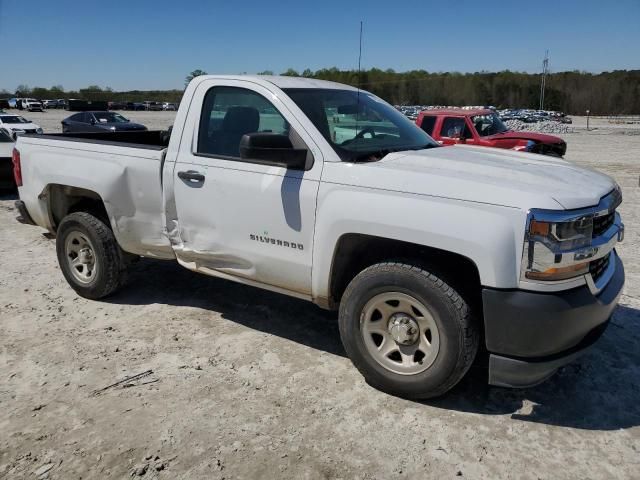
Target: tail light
<point x="17" y="168"/>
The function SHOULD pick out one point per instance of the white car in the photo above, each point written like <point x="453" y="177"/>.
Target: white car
<point x="14" y="125"/>
<point x="425" y="251"/>
<point x="167" y="106"/>
<point x="32" y="105"/>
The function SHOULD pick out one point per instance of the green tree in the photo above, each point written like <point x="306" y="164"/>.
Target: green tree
<point x="192" y="75"/>
<point x="266" y="72"/>
<point x="290" y="73"/>
<point x="23" y="90"/>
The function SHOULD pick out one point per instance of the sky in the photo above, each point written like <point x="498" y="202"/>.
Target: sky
<point x="154" y="44"/>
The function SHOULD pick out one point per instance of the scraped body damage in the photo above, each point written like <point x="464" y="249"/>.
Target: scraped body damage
<point x="244" y="225"/>
<point x="126" y="179"/>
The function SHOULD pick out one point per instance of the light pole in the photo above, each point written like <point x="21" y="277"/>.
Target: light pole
<point x="587" y="120"/>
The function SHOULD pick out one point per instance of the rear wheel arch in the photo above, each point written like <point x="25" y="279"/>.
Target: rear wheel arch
<point x="66" y="199"/>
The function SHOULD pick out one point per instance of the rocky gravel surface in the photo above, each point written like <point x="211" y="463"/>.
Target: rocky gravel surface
<point x="183" y="376"/>
<point x="546" y="126"/>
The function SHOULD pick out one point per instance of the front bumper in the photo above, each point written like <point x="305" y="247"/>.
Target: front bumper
<point x="530" y="335"/>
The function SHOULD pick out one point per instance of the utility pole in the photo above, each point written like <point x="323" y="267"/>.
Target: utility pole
<point x="545" y="71"/>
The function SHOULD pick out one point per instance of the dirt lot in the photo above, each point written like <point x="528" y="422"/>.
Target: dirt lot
<point x="249" y="384"/>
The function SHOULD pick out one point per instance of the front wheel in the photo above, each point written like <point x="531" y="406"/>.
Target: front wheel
<point x="89" y="256"/>
<point x="408" y="332"/>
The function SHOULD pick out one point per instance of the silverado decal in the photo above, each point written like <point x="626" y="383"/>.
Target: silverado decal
<point x="275" y="241"/>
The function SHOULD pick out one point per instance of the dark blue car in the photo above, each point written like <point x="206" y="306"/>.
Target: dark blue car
<point x="99" y="122"/>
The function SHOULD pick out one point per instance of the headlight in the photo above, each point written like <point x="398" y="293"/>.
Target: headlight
<point x="560" y="245"/>
<point x="113" y="129"/>
<point x="39" y="131"/>
<point x="547" y="240"/>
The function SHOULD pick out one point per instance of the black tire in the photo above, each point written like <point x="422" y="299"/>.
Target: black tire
<point x="457" y="330"/>
<point x="109" y="258"/>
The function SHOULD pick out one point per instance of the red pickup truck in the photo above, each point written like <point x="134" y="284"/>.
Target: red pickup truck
<point x="483" y="127"/>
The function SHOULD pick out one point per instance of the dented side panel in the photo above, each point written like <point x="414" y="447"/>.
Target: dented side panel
<point x="249" y="222"/>
<point x="126" y="179"/>
<point x="252" y="225"/>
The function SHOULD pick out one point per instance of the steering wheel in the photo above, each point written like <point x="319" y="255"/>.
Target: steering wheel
<point x="365" y="130"/>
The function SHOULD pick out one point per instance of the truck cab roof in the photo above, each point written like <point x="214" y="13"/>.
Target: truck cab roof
<point x="282" y="81"/>
<point x="458" y="111"/>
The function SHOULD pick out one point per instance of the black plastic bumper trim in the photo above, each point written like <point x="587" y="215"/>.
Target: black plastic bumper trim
<point x="24" y="214"/>
<point x="530" y="335"/>
<point x="523" y="373"/>
<point x="531" y="324"/>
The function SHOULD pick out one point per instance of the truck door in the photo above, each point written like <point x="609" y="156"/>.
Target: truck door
<point x="451" y="130"/>
<point x="238" y="218"/>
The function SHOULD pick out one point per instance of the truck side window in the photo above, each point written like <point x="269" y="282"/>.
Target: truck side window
<point x="428" y="122"/>
<point x="452" y="127"/>
<point x="228" y="113"/>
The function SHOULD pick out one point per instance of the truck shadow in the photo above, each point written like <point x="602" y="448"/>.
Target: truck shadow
<point x="255" y="308"/>
<point x="601" y="391"/>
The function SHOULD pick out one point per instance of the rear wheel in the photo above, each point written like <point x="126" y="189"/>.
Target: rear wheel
<point x="407" y="331"/>
<point x="89" y="256"/>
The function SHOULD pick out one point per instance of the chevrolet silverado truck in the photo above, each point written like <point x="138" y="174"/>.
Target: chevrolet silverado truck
<point x="326" y="193"/>
<point x="484" y="128"/>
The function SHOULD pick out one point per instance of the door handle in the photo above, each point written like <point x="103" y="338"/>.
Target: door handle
<point x="191" y="176"/>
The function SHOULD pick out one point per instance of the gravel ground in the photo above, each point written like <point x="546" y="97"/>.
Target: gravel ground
<point x="250" y="384"/>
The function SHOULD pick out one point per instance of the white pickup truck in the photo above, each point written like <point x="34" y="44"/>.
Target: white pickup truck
<point x="324" y="192"/>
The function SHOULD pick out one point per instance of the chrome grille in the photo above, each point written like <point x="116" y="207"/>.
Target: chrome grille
<point x="598" y="267"/>
<point x="602" y="223"/>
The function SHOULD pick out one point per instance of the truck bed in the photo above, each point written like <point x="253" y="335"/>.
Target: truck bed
<point x="122" y="168"/>
<point x="149" y="139"/>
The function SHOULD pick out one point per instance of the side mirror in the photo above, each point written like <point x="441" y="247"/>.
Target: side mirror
<point x="93" y="121"/>
<point x="273" y="149"/>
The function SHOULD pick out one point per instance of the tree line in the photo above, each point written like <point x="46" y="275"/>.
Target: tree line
<point x="616" y="92"/>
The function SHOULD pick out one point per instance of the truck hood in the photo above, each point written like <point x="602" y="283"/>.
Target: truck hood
<point x="480" y="174"/>
<point x="513" y="135"/>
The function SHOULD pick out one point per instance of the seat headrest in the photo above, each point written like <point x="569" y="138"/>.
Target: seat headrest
<point x="241" y="120"/>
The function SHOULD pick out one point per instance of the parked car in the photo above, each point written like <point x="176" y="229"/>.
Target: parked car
<point x="117" y="105"/>
<point x="169" y="106"/>
<point x="15" y="125"/>
<point x="6" y="164"/>
<point x="135" y="106"/>
<point x="56" y="103"/>
<point x="31" y="104"/>
<point x="424" y="250"/>
<point x="483" y="127"/>
<point x="98" y="121"/>
<point x="153" y="106"/>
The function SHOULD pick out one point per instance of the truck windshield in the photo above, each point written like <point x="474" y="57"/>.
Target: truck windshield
<point x="489" y="125"/>
<point x="109" y="117"/>
<point x="358" y="125"/>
